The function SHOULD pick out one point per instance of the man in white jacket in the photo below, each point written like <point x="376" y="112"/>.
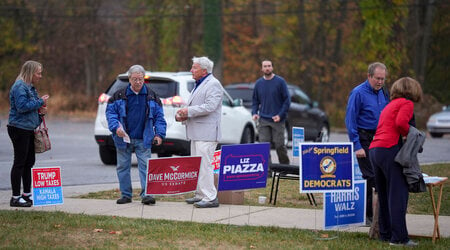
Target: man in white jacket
<point x="202" y="119"/>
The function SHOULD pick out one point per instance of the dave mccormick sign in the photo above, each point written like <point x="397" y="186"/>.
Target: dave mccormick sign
<point x="326" y="167"/>
<point x="243" y="166"/>
<point x="175" y="175"/>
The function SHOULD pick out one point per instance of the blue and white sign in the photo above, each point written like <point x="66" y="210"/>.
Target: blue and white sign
<point x="343" y="209"/>
<point x="326" y="167"/>
<point x="356" y="170"/>
<point x="244" y="166"/>
<point x="298" y="136"/>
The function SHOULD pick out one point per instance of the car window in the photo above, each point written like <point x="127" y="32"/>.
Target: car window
<point x="118" y="84"/>
<point x="162" y="88"/>
<point x="245" y="94"/>
<point x="190" y="85"/>
<point x="226" y="101"/>
<point x="299" y="96"/>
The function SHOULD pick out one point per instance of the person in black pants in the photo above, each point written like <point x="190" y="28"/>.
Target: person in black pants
<point x="365" y="103"/>
<point x="26" y="109"/>
<point x="391" y="184"/>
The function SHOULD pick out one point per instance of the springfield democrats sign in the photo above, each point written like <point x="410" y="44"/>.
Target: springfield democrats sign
<point x="244" y="166"/>
<point x="47" y="186"/>
<point x="326" y="167"/>
<point x="175" y="175"/>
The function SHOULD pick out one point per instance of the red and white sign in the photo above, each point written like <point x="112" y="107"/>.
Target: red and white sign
<point x="216" y="161"/>
<point x="46" y="177"/>
<point x="175" y="175"/>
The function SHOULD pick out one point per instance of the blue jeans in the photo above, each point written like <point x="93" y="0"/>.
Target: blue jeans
<point x="124" y="166"/>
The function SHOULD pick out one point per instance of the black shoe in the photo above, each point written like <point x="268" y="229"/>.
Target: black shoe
<point x="192" y="200"/>
<point x="123" y="200"/>
<point x="19" y="202"/>
<point x="147" y="200"/>
<point x="27" y="198"/>
<point x="207" y="204"/>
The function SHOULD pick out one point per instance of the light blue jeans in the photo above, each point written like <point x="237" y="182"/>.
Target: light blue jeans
<point x="124" y="166"/>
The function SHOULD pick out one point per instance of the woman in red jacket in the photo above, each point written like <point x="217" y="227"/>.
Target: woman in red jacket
<point x="389" y="179"/>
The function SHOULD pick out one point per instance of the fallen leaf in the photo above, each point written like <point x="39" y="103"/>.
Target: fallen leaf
<point x="57" y="225"/>
<point x="98" y="230"/>
<point x="251" y="246"/>
<point x="324" y="236"/>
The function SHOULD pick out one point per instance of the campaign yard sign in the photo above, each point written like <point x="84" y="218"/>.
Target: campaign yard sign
<point x="298" y="136"/>
<point x="326" y="167"/>
<point x="356" y="170"/>
<point x="174" y="175"/>
<point x="344" y="209"/>
<point x="243" y="166"/>
<point x="47" y="186"/>
<point x="216" y="161"/>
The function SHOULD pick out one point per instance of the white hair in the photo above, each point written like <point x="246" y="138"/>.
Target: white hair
<point x="204" y="63"/>
<point x="136" y="69"/>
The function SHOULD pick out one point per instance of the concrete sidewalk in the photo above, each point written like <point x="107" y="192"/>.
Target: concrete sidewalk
<point x="224" y="214"/>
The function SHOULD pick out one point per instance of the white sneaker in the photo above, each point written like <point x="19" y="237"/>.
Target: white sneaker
<point x="409" y="243"/>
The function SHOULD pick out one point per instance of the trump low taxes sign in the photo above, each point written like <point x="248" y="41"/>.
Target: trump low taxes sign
<point x="175" y="175"/>
<point x="47" y="186"/>
<point x="326" y="167"/>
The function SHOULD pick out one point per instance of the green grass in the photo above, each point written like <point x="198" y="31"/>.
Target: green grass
<point x="289" y="196"/>
<point x="42" y="230"/>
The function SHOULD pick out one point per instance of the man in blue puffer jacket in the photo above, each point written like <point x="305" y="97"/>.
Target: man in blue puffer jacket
<point x="136" y="120"/>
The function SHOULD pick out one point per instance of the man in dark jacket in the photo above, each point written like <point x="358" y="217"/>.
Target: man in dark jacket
<point x="136" y="120"/>
<point x="271" y="101"/>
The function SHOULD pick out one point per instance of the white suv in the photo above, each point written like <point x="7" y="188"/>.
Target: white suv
<point x="174" y="88"/>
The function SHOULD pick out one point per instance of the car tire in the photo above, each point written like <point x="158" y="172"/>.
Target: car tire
<point x="436" y="135"/>
<point x="247" y="136"/>
<point x="324" y="135"/>
<point x="108" y="155"/>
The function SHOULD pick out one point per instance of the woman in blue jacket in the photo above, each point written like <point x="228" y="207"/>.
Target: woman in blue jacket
<point x="26" y="109"/>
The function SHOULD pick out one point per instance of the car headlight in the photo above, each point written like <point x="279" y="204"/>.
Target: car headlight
<point x="432" y="120"/>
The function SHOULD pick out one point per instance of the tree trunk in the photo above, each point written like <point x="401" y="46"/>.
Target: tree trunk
<point x="425" y="23"/>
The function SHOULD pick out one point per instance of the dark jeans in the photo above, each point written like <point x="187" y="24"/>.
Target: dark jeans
<point x="392" y="194"/>
<point x="365" y="138"/>
<point x="24" y="158"/>
<point x="273" y="132"/>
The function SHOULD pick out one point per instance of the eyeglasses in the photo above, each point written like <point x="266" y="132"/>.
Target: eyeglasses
<point x="379" y="78"/>
<point x="137" y="80"/>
